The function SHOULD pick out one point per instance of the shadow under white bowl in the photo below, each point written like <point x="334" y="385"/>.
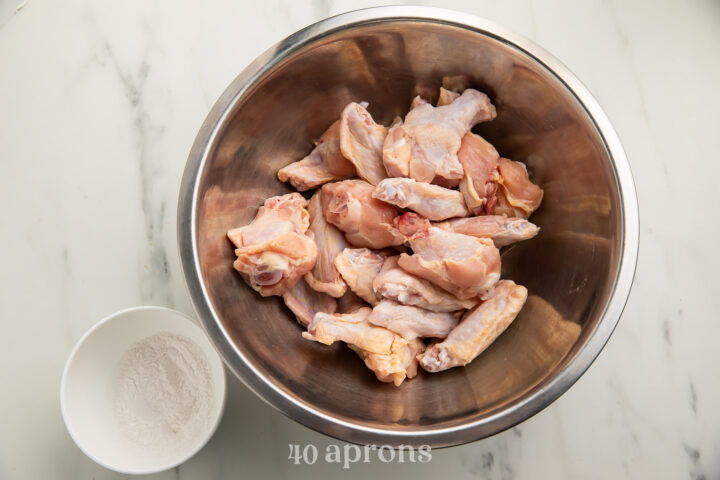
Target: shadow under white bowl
<point x="87" y="387"/>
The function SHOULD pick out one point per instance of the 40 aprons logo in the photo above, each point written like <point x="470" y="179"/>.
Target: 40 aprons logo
<point x="351" y="454"/>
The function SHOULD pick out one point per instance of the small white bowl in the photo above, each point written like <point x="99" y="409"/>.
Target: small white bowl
<point x="86" y="387"/>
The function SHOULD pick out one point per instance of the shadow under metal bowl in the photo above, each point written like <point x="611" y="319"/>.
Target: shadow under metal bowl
<point x="578" y="270"/>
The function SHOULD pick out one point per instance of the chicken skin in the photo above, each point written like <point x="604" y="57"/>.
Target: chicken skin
<point x="305" y="302"/>
<point x="353" y="328"/>
<point x="500" y="229"/>
<point x="361" y="142"/>
<point x="366" y="221"/>
<point x="416" y="102"/>
<point x="273" y="251"/>
<point x="463" y="265"/>
<point x="412" y="322"/>
<point x="431" y="201"/>
<point x="517" y="195"/>
<point x="330" y="241"/>
<point x="396" y="284"/>
<point x="480" y="164"/>
<point x="446" y="97"/>
<point x="359" y="267"/>
<point x="324" y="164"/>
<point x="394" y="367"/>
<point x="426" y="144"/>
<point x="478" y="329"/>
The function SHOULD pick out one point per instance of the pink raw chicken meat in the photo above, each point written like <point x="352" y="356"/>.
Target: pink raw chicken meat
<point x="330" y="241"/>
<point x="361" y="142"/>
<point x="500" y="229"/>
<point x="324" y="164"/>
<point x="396" y="284"/>
<point x="366" y="221"/>
<point x="426" y="144"/>
<point x="412" y="322"/>
<point x="517" y="195"/>
<point x="480" y="164"/>
<point x="273" y="251"/>
<point x="464" y="266"/>
<point x="446" y="97"/>
<point x="359" y="267"/>
<point x="353" y="328"/>
<point x="478" y="329"/>
<point x="431" y="201"/>
<point x="396" y="366"/>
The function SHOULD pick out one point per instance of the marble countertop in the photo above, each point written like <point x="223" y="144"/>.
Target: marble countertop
<point x="99" y="104"/>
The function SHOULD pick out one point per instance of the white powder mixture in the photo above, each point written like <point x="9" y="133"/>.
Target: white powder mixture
<point x="163" y="394"/>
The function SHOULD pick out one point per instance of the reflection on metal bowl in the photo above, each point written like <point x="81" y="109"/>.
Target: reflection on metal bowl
<point x="578" y="270"/>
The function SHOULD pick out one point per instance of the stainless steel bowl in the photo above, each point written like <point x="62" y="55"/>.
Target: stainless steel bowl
<point x="578" y="270"/>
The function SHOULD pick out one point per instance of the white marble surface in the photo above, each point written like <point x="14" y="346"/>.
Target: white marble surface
<point x="99" y="104"/>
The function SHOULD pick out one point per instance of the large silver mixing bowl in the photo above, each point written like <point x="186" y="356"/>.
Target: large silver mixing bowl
<point x="578" y="270"/>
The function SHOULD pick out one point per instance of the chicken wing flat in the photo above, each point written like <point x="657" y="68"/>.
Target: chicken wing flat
<point x="366" y="221"/>
<point x="431" y="201"/>
<point x="425" y="145"/>
<point x="500" y="229"/>
<point x="477" y="330"/>
<point x="305" y="302"/>
<point x="463" y="265"/>
<point x="396" y="284"/>
<point x="324" y="164"/>
<point x="359" y="267"/>
<point x="480" y="180"/>
<point x="394" y="367"/>
<point x="330" y="241"/>
<point x="517" y="195"/>
<point x="273" y="251"/>
<point x="353" y="328"/>
<point x="361" y="142"/>
<point x="412" y="322"/>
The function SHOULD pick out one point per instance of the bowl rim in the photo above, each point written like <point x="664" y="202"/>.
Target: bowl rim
<point x="540" y="396"/>
<point x="202" y="441"/>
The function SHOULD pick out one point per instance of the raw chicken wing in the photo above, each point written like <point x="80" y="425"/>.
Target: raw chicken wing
<point x="425" y="145"/>
<point x="273" y="251"/>
<point x="446" y="97"/>
<point x="330" y="241"/>
<point x="324" y="164"/>
<point x="412" y="322"/>
<point x="431" y="201"/>
<point x="366" y="221"/>
<point x="355" y="329"/>
<point x="501" y="229"/>
<point x="517" y="195"/>
<point x="305" y="302"/>
<point x="396" y="284"/>
<point x="359" y="267"/>
<point x="361" y="142"/>
<point x="416" y="102"/>
<point x="394" y="367"/>
<point x="477" y="330"/>
<point x="479" y="183"/>
<point x="463" y="265"/>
